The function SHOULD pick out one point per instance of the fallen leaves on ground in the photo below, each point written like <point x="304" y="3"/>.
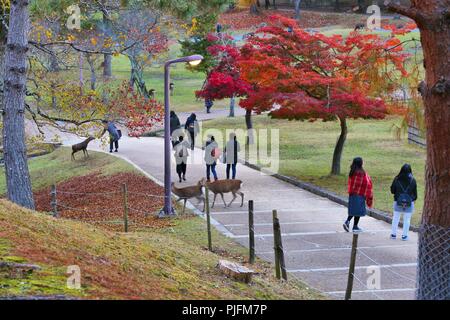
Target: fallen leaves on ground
<point x="99" y="200"/>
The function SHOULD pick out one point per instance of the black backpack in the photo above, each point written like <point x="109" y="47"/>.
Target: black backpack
<point x="404" y="199"/>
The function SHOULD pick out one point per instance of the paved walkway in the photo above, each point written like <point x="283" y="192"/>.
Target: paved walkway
<point x="316" y="247"/>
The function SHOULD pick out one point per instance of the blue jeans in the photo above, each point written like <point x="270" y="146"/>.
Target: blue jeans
<point x="211" y="168"/>
<point x="233" y="167"/>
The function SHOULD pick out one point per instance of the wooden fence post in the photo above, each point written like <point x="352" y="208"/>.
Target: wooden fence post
<point x="208" y="218"/>
<point x="125" y="207"/>
<point x="279" y="247"/>
<point x="275" y="245"/>
<point x="251" y="230"/>
<point x="351" y="270"/>
<point x="54" y="202"/>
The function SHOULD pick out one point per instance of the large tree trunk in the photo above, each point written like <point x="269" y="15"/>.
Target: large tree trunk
<point x="16" y="168"/>
<point x="433" y="20"/>
<point x="339" y="148"/>
<point x="250" y="134"/>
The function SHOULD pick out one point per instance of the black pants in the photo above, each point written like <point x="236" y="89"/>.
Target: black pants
<point x="192" y="139"/>
<point x="233" y="167"/>
<point x="355" y="224"/>
<point x="113" y="143"/>
<point x="181" y="169"/>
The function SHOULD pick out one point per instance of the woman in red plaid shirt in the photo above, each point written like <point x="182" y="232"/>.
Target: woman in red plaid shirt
<point x="360" y="190"/>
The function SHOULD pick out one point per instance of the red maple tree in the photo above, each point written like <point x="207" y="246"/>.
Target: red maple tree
<point x="224" y="80"/>
<point x="301" y="75"/>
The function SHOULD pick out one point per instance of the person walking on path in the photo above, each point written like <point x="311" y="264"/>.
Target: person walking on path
<point x="404" y="189"/>
<point x="114" y="135"/>
<point x="211" y="155"/>
<point x="181" y="155"/>
<point x="174" y="125"/>
<point x="360" y="190"/>
<point x="192" y="127"/>
<point x="231" y="155"/>
<point x="208" y="105"/>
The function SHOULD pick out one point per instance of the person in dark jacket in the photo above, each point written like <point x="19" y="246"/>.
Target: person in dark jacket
<point x="231" y="155"/>
<point x="208" y="105"/>
<point x="174" y="125"/>
<point x="192" y="127"/>
<point x="114" y="134"/>
<point x="404" y="189"/>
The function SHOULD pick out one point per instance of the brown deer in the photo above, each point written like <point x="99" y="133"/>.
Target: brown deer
<point x="187" y="193"/>
<point x="225" y="186"/>
<point x="81" y="146"/>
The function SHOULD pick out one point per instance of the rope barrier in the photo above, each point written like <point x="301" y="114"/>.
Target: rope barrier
<point x="365" y="285"/>
<point x="388" y="268"/>
<point x="83" y="210"/>
<point x="88" y="193"/>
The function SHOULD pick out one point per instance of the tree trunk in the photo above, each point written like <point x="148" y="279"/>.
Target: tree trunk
<point x="433" y="20"/>
<point x="107" y="62"/>
<point x="92" y="69"/>
<point x="297" y="8"/>
<point x="250" y="137"/>
<point x="232" y="105"/>
<point x="337" y="156"/>
<point x="16" y="167"/>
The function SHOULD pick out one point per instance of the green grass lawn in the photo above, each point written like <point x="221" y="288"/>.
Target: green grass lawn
<point x="306" y="151"/>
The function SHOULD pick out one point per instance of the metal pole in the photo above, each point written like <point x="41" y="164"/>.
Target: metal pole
<point x="351" y="270"/>
<point x="125" y="207"/>
<point x="208" y="218"/>
<point x="251" y="231"/>
<point x="167" y="210"/>
<point x="54" y="202"/>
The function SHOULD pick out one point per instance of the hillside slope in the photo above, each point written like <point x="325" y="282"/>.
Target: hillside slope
<point x="144" y="265"/>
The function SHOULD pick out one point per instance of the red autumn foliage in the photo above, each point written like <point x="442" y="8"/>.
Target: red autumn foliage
<point x="306" y="76"/>
<point x="98" y="200"/>
<point x="224" y="80"/>
<point x="139" y="113"/>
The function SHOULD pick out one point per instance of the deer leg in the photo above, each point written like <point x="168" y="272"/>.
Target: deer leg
<point x="214" y="201"/>
<point x="87" y="153"/>
<point x="73" y="155"/>
<point x="234" y="197"/>
<point x="242" y="195"/>
<point x="184" y="206"/>
<point x="223" y="199"/>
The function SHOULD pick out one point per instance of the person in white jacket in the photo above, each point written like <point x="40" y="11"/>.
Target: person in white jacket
<point x="181" y="155"/>
<point x="211" y="156"/>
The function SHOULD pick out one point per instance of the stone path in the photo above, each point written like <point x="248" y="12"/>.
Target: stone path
<point x="317" y="249"/>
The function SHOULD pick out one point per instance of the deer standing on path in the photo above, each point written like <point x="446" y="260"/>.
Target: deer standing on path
<point x="225" y="186"/>
<point x="81" y="146"/>
<point x="190" y="192"/>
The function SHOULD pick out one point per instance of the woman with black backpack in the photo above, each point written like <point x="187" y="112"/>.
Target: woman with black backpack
<point x="404" y="189"/>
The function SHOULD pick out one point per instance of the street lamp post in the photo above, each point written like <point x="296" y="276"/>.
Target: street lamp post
<point x="193" y="60"/>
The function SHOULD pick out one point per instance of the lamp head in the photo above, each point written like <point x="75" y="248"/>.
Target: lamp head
<point x="194" y="60"/>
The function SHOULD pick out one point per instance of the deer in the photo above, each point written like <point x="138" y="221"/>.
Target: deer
<point x="81" y="146"/>
<point x="187" y="193"/>
<point x="225" y="186"/>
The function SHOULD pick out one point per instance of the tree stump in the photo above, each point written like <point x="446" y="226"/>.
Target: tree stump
<point x="236" y="271"/>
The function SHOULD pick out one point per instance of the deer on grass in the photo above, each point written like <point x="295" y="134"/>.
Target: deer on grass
<point x="81" y="146"/>
<point x="225" y="186"/>
<point x="187" y="193"/>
